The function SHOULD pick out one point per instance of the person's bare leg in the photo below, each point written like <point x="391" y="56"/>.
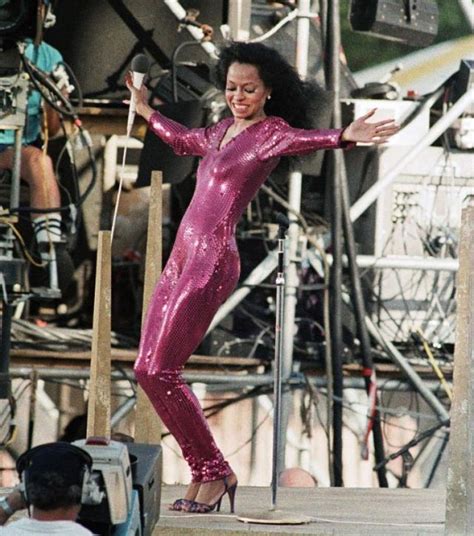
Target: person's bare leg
<point x="192" y="491"/>
<point x="37" y="170"/>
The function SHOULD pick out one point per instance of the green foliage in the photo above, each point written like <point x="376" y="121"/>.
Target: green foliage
<point x="365" y="50"/>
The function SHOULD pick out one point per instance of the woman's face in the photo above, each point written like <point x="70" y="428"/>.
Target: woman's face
<point x="245" y="91"/>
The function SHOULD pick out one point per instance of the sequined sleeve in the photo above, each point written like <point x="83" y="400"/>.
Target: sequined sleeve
<point x="283" y="140"/>
<point x="183" y="140"/>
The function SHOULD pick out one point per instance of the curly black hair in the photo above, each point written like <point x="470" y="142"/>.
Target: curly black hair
<point x="290" y="94"/>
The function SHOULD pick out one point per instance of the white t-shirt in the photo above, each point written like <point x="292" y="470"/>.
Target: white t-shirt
<point x="27" y="526"/>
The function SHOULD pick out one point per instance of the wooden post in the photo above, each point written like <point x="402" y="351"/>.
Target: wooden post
<point x="460" y="486"/>
<point x="147" y="422"/>
<point x="98" y="415"/>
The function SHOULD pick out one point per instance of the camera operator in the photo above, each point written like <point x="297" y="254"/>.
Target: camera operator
<point x="36" y="166"/>
<point x="52" y="477"/>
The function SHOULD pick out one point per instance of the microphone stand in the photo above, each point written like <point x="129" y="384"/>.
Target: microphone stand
<point x="275" y="516"/>
<point x="277" y="369"/>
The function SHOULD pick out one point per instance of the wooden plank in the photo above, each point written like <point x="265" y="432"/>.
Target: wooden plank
<point x="147" y="422"/>
<point x="460" y="486"/>
<point x="98" y="416"/>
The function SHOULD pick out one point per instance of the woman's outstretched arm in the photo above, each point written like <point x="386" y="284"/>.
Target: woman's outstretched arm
<point x="284" y="140"/>
<point x="363" y="131"/>
<point x="183" y="140"/>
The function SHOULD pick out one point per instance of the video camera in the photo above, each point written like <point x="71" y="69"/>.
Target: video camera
<point x="122" y="494"/>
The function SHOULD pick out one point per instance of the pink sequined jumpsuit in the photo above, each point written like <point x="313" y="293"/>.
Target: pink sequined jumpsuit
<point x="203" y="267"/>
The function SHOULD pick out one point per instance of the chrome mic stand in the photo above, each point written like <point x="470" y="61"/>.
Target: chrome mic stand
<point x="275" y="516"/>
<point x="283" y="224"/>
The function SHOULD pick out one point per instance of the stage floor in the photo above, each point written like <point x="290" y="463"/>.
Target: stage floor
<point x="332" y="511"/>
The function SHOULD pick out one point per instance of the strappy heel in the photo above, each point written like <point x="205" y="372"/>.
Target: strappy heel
<point x="181" y="505"/>
<point x="184" y="504"/>
<point x="203" y="508"/>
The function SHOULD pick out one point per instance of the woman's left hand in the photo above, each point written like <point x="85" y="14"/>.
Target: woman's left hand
<point x="362" y="131"/>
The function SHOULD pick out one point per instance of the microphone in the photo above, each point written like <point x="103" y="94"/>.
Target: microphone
<point x="139" y="68"/>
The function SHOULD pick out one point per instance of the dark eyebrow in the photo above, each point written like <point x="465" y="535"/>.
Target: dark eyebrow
<point x="244" y="84"/>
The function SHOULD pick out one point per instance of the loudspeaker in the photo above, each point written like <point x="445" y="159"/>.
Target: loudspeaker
<point x="146" y="476"/>
<point x="414" y="22"/>
<point x="98" y="44"/>
<point x="157" y="155"/>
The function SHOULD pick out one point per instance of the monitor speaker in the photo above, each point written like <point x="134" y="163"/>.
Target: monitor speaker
<point x="146" y="477"/>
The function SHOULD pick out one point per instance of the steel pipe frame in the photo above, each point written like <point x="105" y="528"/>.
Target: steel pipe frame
<point x="466" y="7"/>
<point x="371" y="195"/>
<point x="405" y="262"/>
<point x="266" y="267"/>
<point x="333" y="83"/>
<point x="395" y="355"/>
<point x="64" y="373"/>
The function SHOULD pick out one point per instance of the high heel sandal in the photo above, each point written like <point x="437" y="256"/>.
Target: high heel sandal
<point x="203" y="508"/>
<point x="181" y="505"/>
<point x="184" y="504"/>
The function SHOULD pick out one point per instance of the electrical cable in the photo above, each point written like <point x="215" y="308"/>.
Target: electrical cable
<point x="413" y="442"/>
<point x="291" y="16"/>
<point x="121" y="180"/>
<point x="36" y="74"/>
<point x="435" y="366"/>
<point x="41" y="81"/>
<point x="22" y="243"/>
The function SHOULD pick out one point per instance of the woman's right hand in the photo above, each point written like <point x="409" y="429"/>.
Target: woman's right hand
<point x="140" y="96"/>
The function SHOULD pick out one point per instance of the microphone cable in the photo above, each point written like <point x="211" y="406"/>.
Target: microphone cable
<point x="139" y="66"/>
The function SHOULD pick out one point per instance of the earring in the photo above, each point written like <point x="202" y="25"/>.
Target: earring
<point x="269" y="97"/>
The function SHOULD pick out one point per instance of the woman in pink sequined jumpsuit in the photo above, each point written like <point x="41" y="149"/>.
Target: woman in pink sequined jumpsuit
<point x="238" y="154"/>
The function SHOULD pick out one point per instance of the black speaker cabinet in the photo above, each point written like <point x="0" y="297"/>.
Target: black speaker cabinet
<point x="156" y="154"/>
<point x="98" y="40"/>
<point x="414" y="22"/>
<point x="146" y="473"/>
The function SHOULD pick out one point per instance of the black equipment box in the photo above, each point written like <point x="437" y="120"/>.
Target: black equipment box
<point x="147" y="464"/>
<point x="464" y="82"/>
<point x="414" y="22"/>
